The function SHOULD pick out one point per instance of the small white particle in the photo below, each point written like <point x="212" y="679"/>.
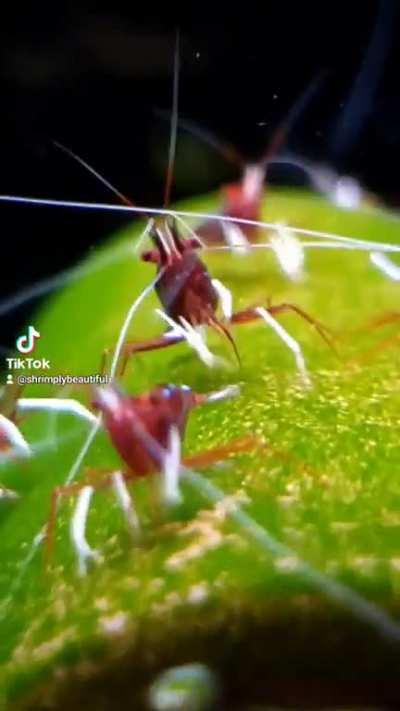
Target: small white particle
<point x="197" y="594"/>
<point x="114" y="625"/>
<point x="287" y="564"/>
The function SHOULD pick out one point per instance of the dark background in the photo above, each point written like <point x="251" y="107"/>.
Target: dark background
<point x="93" y="78"/>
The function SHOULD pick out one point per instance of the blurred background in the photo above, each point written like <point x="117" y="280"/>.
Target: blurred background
<point x="95" y="79"/>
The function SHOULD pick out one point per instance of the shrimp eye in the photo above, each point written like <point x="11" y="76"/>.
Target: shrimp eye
<point x="151" y="256"/>
<point x="193" y="244"/>
<point x="166" y="389"/>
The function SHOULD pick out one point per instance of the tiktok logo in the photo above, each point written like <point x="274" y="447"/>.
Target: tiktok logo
<point x="26" y="342"/>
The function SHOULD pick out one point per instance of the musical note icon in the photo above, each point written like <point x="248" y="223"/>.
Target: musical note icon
<point x="26" y="342"/>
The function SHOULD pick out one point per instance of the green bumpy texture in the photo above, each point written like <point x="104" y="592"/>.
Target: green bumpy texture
<point x="196" y="588"/>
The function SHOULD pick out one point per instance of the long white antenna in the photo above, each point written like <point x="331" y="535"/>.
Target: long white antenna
<point x="377" y="246"/>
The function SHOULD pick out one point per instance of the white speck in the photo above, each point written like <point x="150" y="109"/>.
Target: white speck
<point x="114" y="625"/>
<point x="293" y="488"/>
<point x="287" y="564"/>
<point x="197" y="594"/>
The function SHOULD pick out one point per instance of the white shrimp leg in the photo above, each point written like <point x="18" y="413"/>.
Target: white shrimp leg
<point x="8" y="494"/>
<point x="14" y="437"/>
<point x="125" y="501"/>
<point x="227" y="393"/>
<point x="385" y="265"/>
<point x="55" y="404"/>
<point x="289" y="251"/>
<point x="83" y="550"/>
<point x="171" y="468"/>
<point x="225" y="296"/>
<point x="235" y="238"/>
<point x="193" y="336"/>
<point x="291" y="343"/>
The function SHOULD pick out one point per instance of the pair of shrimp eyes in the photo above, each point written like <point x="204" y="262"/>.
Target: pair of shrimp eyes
<point x="154" y="255"/>
<point x="168" y="390"/>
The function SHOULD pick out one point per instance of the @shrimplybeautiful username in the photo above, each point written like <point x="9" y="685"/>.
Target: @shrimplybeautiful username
<point x="96" y="379"/>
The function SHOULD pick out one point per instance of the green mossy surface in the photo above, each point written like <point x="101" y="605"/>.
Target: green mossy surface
<point x="196" y="588"/>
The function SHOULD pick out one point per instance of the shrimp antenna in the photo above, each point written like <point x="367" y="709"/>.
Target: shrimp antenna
<point x="94" y="172"/>
<point x="174" y="123"/>
<point x="172" y="148"/>
<point x="224" y="148"/>
<point x="229" y="152"/>
<point x="221" y="328"/>
<point x="280" y="134"/>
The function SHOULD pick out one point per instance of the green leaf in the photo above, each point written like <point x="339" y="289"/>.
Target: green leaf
<point x="204" y="585"/>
